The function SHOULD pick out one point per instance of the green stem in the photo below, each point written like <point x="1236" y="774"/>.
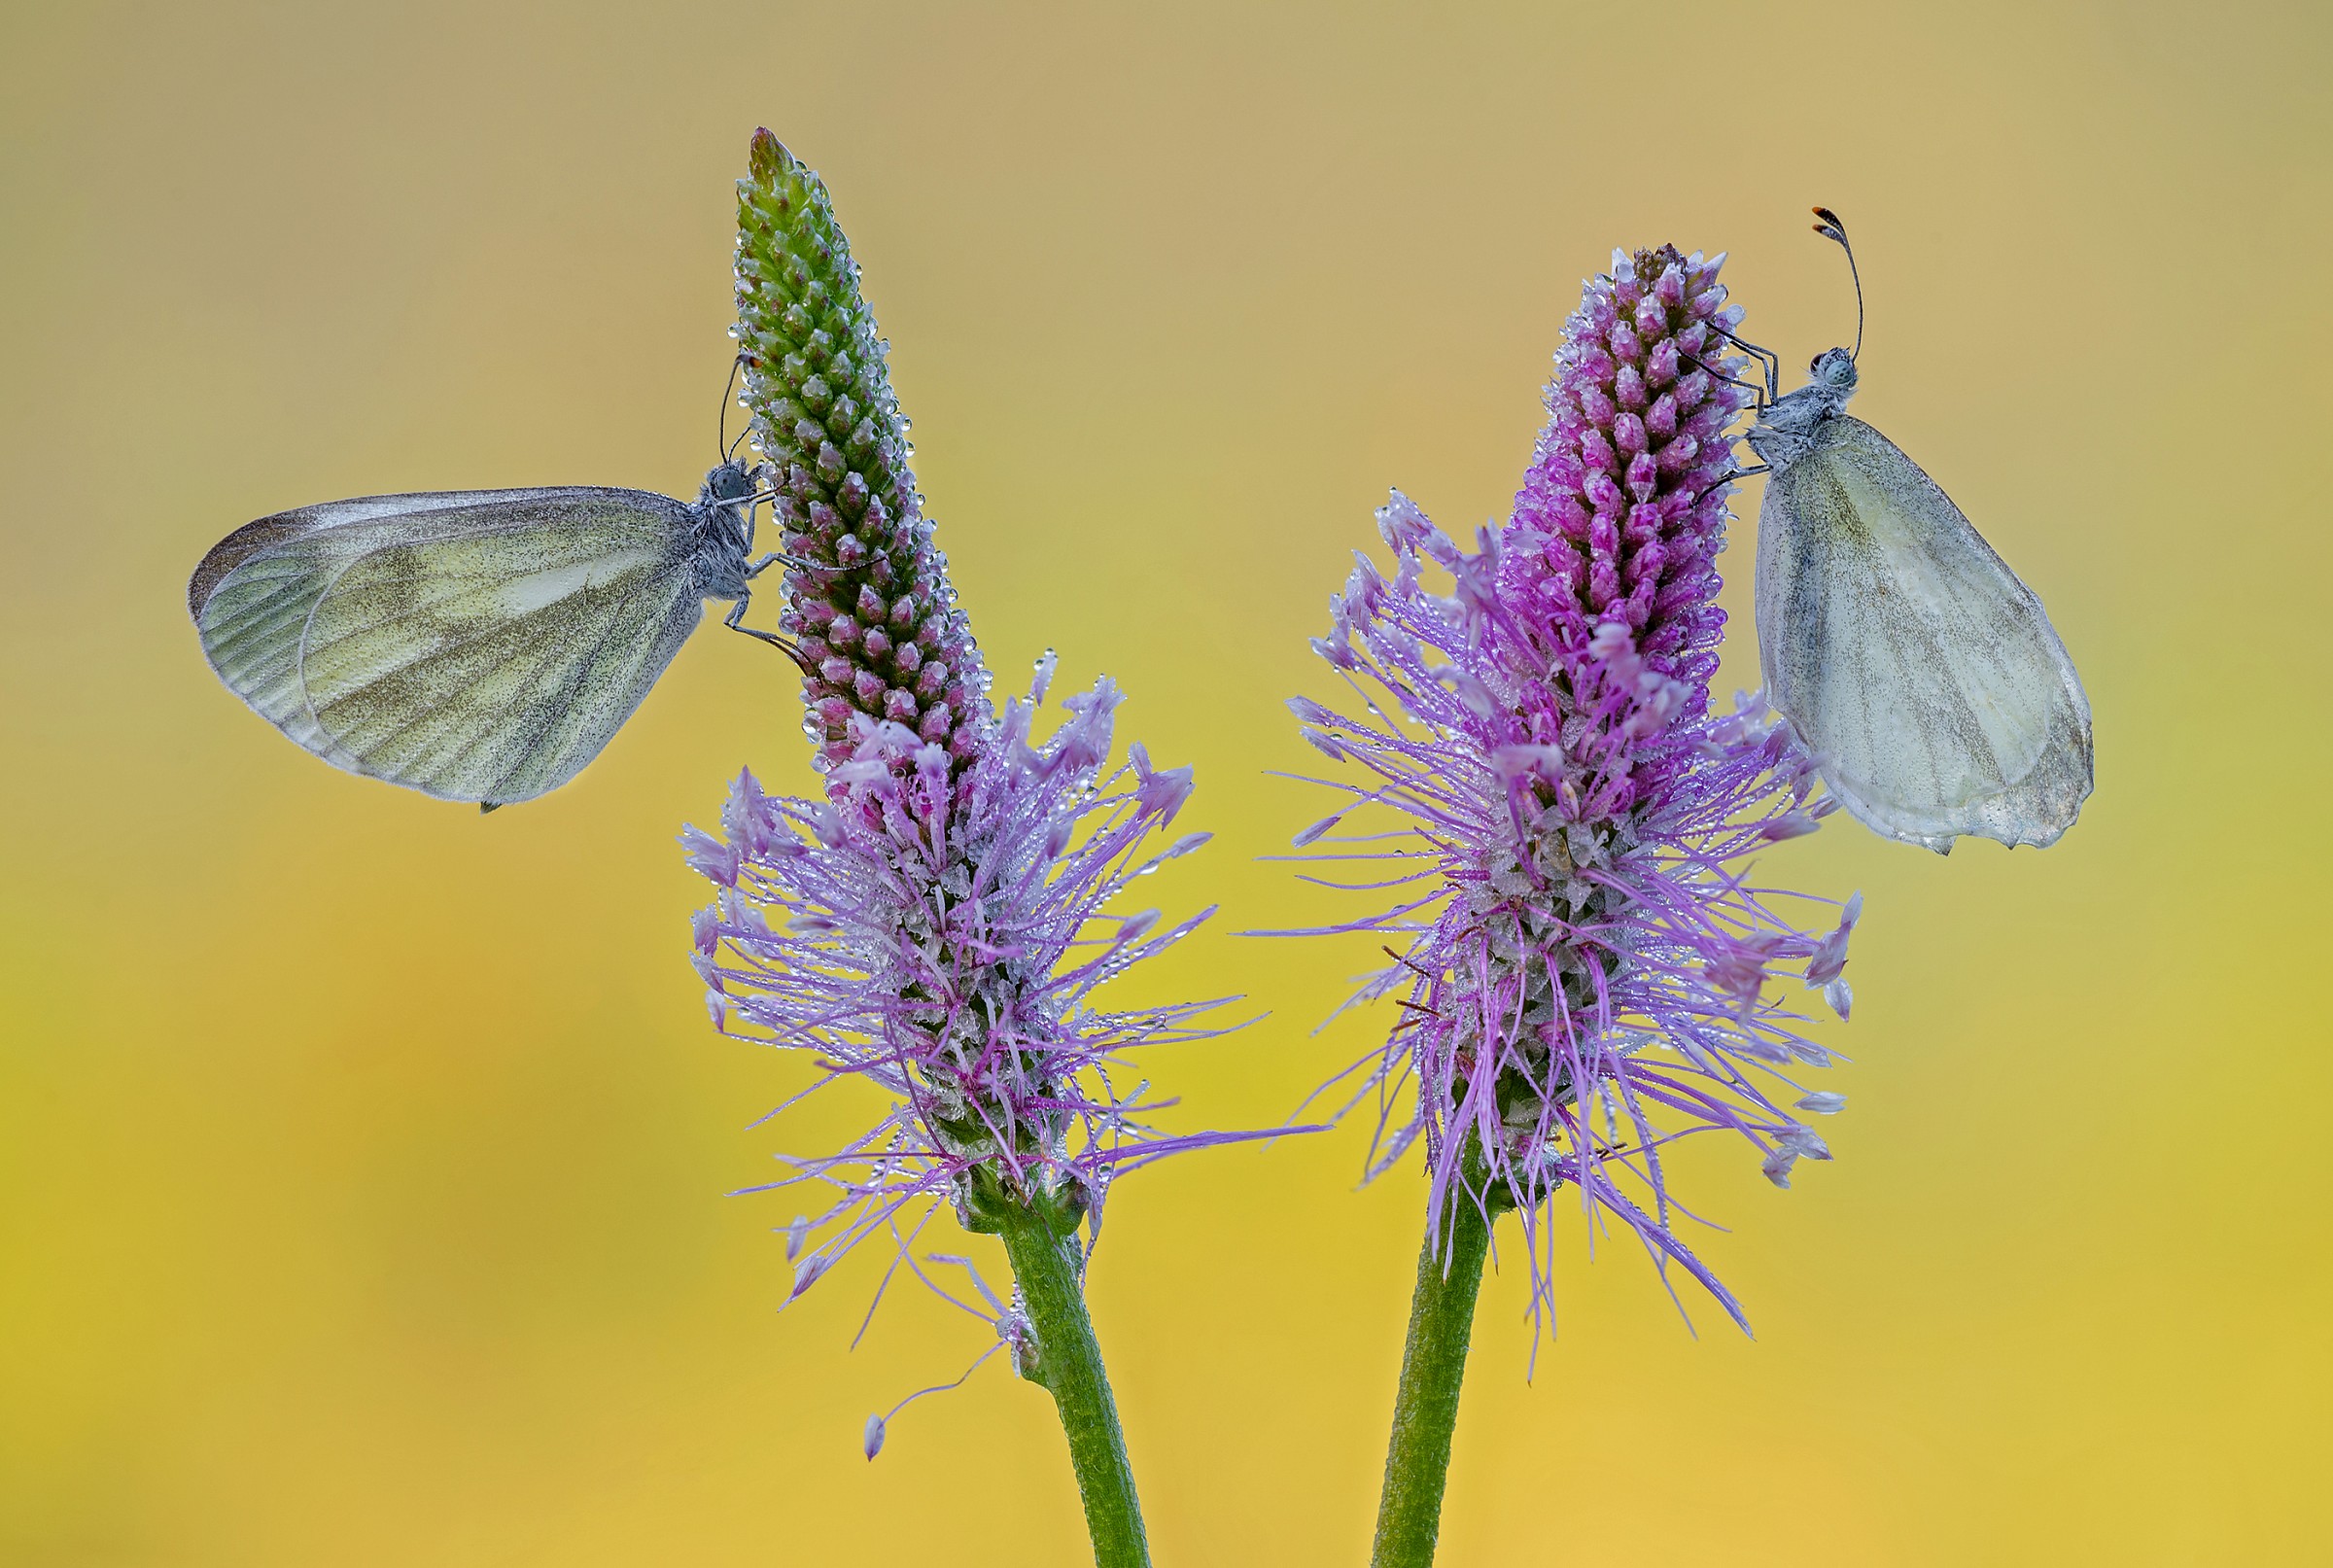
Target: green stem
<point x="1425" y="1411"/>
<point x="1067" y="1362"/>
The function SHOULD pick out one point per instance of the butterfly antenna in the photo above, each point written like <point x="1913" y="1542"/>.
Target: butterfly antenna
<point x="1831" y="229"/>
<point x="728" y="395"/>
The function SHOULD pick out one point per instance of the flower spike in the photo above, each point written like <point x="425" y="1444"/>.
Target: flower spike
<point x="1585" y="975"/>
<point x="938" y="926"/>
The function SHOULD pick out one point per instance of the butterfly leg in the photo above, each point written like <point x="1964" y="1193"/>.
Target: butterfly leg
<point x="1731" y="474"/>
<point x="1759" y="395"/>
<point x="1766" y="358"/>
<point x="735" y="621"/>
<point x="768" y="475"/>
<point x="778" y="558"/>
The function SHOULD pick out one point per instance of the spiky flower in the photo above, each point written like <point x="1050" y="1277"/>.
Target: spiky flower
<point x="1585" y="981"/>
<point x="936" y="927"/>
<point x="867" y="591"/>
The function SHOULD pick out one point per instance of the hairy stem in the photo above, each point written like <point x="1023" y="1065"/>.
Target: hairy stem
<point x="1067" y="1363"/>
<point x="1425" y="1411"/>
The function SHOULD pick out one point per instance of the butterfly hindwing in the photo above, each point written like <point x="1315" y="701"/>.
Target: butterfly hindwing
<point x="476" y="645"/>
<point x="1922" y="673"/>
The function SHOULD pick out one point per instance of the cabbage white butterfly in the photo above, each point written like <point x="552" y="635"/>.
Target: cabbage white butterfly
<point x="476" y="645"/>
<point x="1913" y="663"/>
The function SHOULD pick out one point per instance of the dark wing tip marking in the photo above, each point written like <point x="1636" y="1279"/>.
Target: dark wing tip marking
<point x="233" y="551"/>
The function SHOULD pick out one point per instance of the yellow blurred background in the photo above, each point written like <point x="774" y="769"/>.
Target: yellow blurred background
<point x="362" y="1160"/>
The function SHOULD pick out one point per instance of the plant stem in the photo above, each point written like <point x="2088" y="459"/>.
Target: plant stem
<point x="1425" y="1411"/>
<point x="1067" y="1362"/>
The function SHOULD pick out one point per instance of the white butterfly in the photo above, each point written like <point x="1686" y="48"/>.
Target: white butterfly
<point x="479" y="644"/>
<point x="1921" y="673"/>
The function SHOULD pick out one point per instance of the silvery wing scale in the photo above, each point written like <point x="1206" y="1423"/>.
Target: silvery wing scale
<point x="1921" y="673"/>
<point x="477" y="646"/>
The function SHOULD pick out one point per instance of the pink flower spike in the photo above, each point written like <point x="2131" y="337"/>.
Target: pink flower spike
<point x="1583" y="966"/>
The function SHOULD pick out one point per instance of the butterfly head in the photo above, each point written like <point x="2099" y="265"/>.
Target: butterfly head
<point x="727" y="501"/>
<point x="1785" y="427"/>
<point x="1834" y="371"/>
<point x="724" y="521"/>
<point x="733" y="481"/>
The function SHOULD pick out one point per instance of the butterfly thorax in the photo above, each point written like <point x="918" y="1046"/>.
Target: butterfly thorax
<point x="1785" y="428"/>
<point x="723" y="531"/>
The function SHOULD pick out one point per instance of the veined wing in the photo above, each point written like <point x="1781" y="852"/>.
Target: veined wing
<point x="1912" y="661"/>
<point x="475" y="645"/>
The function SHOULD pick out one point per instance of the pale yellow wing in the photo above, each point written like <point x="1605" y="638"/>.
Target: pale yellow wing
<point x="475" y="645"/>
<point x="1923" y="674"/>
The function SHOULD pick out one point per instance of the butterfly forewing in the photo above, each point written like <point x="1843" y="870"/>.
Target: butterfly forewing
<point x="1922" y="673"/>
<point x="478" y="646"/>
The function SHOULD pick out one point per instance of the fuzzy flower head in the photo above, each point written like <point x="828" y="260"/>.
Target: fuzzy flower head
<point x="1587" y="978"/>
<point x="937" y="926"/>
<point x="944" y="946"/>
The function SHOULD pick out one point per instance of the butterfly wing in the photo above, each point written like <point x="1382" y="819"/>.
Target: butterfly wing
<point x="474" y="645"/>
<point x="1921" y="671"/>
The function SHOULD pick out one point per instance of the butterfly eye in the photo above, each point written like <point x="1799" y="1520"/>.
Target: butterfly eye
<point x="1832" y="368"/>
